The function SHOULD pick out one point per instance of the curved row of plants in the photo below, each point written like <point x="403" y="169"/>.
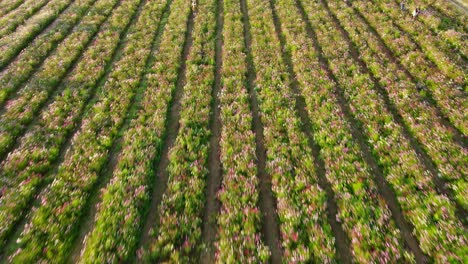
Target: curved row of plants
<point x="122" y="210"/>
<point x="24" y="106"/>
<point x="437" y="140"/>
<point x="52" y="228"/>
<point x="361" y="210"/>
<point x="239" y="217"/>
<point x="446" y="84"/>
<point x="12" y="20"/>
<point x="178" y="229"/>
<point x="27" y="166"/>
<point x="438" y="230"/>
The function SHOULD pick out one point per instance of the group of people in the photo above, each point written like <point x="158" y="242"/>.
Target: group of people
<point x="416" y="12"/>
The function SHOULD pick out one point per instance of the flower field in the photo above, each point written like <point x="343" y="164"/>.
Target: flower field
<point x="233" y="131"/>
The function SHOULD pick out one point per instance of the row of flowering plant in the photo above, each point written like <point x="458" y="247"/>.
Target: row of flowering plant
<point x="8" y="6"/>
<point x="445" y="84"/>
<point x="177" y="235"/>
<point x="431" y="214"/>
<point x="437" y="139"/>
<point x="21" y="68"/>
<point x="27" y="165"/>
<point x="23" y="107"/>
<point x="362" y="211"/>
<point x="12" y="20"/>
<point x="402" y="91"/>
<point x="15" y="42"/>
<point x="448" y="23"/>
<point x="121" y="212"/>
<point x="305" y="233"/>
<point x="440" y="53"/>
<point x="239" y="218"/>
<point x="387" y="71"/>
<point x="51" y="230"/>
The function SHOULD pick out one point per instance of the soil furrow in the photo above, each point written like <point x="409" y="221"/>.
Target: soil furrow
<point x="267" y="200"/>
<point x="17" y="229"/>
<point x="425" y="159"/>
<point x="87" y="220"/>
<point x="172" y="128"/>
<point x="212" y="206"/>
<point x="342" y="241"/>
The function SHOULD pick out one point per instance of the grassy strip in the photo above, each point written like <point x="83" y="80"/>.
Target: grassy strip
<point x="29" y="60"/>
<point x="444" y="15"/>
<point x="449" y="32"/>
<point x="12" y="44"/>
<point x="400" y="89"/>
<point x="7" y="6"/>
<point x="443" y="77"/>
<point x="306" y="235"/>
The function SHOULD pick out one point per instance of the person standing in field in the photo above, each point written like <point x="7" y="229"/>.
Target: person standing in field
<point x="194" y="5"/>
<point x="416" y="12"/>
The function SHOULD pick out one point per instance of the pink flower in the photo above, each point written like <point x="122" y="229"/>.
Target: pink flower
<point x="295" y="236"/>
